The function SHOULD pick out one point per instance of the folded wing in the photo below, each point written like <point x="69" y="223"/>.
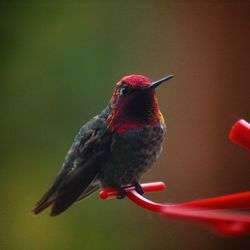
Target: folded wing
<point x="79" y="174"/>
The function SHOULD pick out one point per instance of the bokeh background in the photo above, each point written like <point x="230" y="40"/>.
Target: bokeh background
<point x="59" y="63"/>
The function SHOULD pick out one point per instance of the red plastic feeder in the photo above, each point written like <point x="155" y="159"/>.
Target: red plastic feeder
<point x="216" y="212"/>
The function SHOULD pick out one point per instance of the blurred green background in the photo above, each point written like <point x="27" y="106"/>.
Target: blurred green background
<point x="59" y="64"/>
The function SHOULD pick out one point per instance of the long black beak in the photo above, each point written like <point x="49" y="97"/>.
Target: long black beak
<point x="157" y="83"/>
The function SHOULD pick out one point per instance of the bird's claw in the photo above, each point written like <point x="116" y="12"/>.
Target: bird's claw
<point x="138" y="188"/>
<point x="122" y="193"/>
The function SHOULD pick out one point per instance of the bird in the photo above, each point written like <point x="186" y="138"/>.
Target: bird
<point x="112" y="150"/>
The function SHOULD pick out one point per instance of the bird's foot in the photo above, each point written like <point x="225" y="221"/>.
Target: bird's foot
<point x="122" y="193"/>
<point x="138" y="188"/>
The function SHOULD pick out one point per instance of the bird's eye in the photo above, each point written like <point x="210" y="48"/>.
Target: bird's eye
<point x="125" y="90"/>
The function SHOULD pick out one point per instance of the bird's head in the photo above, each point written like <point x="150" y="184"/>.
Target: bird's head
<point x="134" y="103"/>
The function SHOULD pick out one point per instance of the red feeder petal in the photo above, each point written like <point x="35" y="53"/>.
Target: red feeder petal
<point x="240" y="133"/>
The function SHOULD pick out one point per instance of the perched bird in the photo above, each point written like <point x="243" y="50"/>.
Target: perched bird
<point x="114" y="149"/>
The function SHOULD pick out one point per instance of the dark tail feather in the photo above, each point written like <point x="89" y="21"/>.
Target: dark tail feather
<point x="89" y="190"/>
<point x="47" y="199"/>
<point x="69" y="187"/>
<point x="69" y="193"/>
<point x="61" y="204"/>
<point x="65" y="194"/>
<point x="41" y="206"/>
<point x="72" y="186"/>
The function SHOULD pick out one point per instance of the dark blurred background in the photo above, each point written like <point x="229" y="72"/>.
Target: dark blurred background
<point x="59" y="63"/>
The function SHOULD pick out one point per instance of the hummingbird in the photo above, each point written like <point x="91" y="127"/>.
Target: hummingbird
<point x="114" y="149"/>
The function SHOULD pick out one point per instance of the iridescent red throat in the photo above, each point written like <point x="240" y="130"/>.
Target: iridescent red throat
<point x="137" y="110"/>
